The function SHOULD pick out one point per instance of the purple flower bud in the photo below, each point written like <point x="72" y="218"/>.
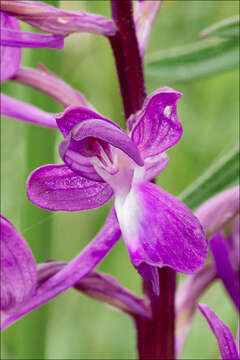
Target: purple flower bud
<point x="144" y="16"/>
<point x="56" y="21"/>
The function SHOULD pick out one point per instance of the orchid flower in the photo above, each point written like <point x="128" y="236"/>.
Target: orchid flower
<point x="144" y="16"/>
<point x="101" y="161"/>
<point x="228" y="348"/>
<point x="45" y="81"/>
<point x="26" y="286"/>
<point x="13" y="39"/>
<point x="214" y="215"/>
<point x="17" y="109"/>
<point x="58" y="23"/>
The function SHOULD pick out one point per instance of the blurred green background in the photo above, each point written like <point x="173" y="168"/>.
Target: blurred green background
<point x="73" y="326"/>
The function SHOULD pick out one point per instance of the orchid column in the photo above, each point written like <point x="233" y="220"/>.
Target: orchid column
<point x="155" y="336"/>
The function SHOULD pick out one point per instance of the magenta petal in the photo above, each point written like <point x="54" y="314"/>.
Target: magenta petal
<point x="215" y="213"/>
<point x="48" y="269"/>
<point x="159" y="230"/>
<point x="234" y="244"/>
<point x="21" y="111"/>
<point x="154" y="166"/>
<point x="45" y="81"/>
<point x="56" y="187"/>
<point x="107" y="289"/>
<point x="109" y="133"/>
<point x="84" y="123"/>
<point x="10" y="56"/>
<point x="58" y="21"/>
<point x="15" y="38"/>
<point x="73" y="116"/>
<point x="144" y="17"/>
<point x="187" y="297"/>
<point x="157" y="126"/>
<point x="72" y="273"/>
<point x="78" y="163"/>
<point x="226" y="272"/>
<point x="18" y="268"/>
<point x="222" y="333"/>
<point x="101" y="287"/>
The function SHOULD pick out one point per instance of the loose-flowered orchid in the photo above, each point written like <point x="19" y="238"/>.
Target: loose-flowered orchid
<point x="101" y="160"/>
<point x="229" y="350"/>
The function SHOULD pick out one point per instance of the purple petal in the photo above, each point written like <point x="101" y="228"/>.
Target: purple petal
<point x="71" y="274"/>
<point x="159" y="230"/>
<point x="215" y="213"/>
<point x="226" y="272"/>
<point x="56" y="187"/>
<point x="154" y="166"/>
<point x="18" y="268"/>
<point x="157" y="127"/>
<point x="46" y="270"/>
<point x="234" y="244"/>
<point x="45" y="81"/>
<point x="76" y="115"/>
<point x="10" y="56"/>
<point x="150" y="273"/>
<point x="78" y="163"/>
<point x="144" y="17"/>
<point x="21" y="111"/>
<point x="15" y="38"/>
<point x="105" y="288"/>
<point x="57" y="21"/>
<point x="101" y="287"/>
<point x="187" y="297"/>
<point x="222" y="333"/>
<point x="85" y="124"/>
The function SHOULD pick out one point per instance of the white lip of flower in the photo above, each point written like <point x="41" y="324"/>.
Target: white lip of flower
<point x="129" y="214"/>
<point x="120" y="172"/>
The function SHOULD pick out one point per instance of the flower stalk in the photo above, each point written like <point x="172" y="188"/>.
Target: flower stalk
<point x="155" y="336"/>
<point x="127" y="57"/>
